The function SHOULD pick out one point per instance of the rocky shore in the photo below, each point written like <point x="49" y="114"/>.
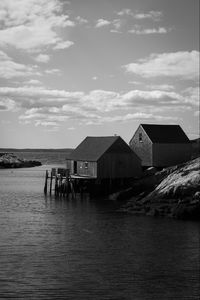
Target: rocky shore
<point x="173" y="192"/>
<point x="9" y="160"/>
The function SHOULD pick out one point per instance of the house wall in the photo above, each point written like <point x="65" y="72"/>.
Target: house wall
<point x="83" y="168"/>
<point x="69" y="165"/>
<point x="142" y="148"/>
<point x="119" y="165"/>
<point x="170" y="154"/>
<point x="87" y="168"/>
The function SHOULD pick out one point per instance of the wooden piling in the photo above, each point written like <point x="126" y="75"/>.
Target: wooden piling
<point x="72" y="188"/>
<point x="56" y="184"/>
<point x="46" y="181"/>
<point x="51" y="182"/>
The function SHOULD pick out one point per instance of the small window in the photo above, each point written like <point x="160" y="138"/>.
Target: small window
<point x="86" y="165"/>
<point x="140" y="137"/>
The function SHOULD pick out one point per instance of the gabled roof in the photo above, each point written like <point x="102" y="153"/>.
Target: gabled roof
<point x="92" y="148"/>
<point x="165" y="133"/>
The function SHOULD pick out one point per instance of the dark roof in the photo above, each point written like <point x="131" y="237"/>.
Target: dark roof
<point x="92" y="148"/>
<point x="165" y="133"/>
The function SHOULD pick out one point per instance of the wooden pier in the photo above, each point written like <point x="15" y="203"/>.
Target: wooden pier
<point x="59" y="181"/>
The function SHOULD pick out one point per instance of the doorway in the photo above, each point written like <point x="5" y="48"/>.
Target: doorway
<point x="75" y="167"/>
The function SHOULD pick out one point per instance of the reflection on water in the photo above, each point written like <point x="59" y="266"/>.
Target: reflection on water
<point x="82" y="249"/>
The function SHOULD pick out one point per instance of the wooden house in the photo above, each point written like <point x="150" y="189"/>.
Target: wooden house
<point x="161" y="145"/>
<point x="107" y="157"/>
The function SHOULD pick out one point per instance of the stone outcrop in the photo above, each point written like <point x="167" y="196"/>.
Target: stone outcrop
<point x="9" y="160"/>
<point x="173" y="192"/>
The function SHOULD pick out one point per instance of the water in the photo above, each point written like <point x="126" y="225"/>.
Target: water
<point x="83" y="249"/>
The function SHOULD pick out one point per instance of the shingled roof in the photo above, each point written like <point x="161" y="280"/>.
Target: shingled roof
<point x="92" y="148"/>
<point x="165" y="133"/>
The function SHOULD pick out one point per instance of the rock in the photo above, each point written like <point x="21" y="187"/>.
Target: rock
<point x="197" y="196"/>
<point x="150" y="171"/>
<point x="9" y="160"/>
<point x="172" y="192"/>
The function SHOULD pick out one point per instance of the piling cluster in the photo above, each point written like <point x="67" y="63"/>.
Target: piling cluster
<point x="58" y="181"/>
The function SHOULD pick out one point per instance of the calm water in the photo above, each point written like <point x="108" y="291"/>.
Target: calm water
<point x="82" y="249"/>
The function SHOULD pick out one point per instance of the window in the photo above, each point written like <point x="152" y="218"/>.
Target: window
<point x="86" y="165"/>
<point x="140" y="137"/>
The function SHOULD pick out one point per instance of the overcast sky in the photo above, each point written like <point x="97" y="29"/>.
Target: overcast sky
<point x="71" y="69"/>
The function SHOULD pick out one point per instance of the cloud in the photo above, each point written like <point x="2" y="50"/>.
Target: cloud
<point x="7" y="104"/>
<point x="63" y="45"/>
<point x="137" y="30"/>
<point x="33" y="82"/>
<point x="10" y="69"/>
<point x="125" y="11"/>
<point x="153" y="15"/>
<point x="102" y="23"/>
<point x="165" y="87"/>
<point x="81" y="20"/>
<point x="130" y="117"/>
<point x="182" y="64"/>
<point x="46" y="107"/>
<point x="32" y="25"/>
<point x="44" y="58"/>
<point x="53" y="71"/>
<point x="115" y="24"/>
<point x="192" y="94"/>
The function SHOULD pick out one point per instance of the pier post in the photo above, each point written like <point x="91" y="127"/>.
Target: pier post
<point x="56" y="185"/>
<point x="51" y="183"/>
<point x="46" y="181"/>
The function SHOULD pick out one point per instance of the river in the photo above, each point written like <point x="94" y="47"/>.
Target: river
<point x="54" y="248"/>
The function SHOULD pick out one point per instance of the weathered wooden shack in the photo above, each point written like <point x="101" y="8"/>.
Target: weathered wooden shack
<point x="107" y="157"/>
<point x="161" y="145"/>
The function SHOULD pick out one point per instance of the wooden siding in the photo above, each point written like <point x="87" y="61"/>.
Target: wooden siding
<point x="118" y="165"/>
<point x="165" y="155"/>
<point x="83" y="168"/>
<point x="87" y="168"/>
<point x="142" y="148"/>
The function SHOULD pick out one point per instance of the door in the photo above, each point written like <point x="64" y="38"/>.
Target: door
<point x="75" y="167"/>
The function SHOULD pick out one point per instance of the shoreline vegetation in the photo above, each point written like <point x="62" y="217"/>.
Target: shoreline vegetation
<point x="173" y="192"/>
<point x="9" y="160"/>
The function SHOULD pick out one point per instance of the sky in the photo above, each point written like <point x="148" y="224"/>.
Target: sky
<point x="71" y="69"/>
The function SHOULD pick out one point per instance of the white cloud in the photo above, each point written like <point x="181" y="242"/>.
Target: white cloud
<point x="102" y="23"/>
<point x="10" y="69"/>
<point x="137" y="30"/>
<point x="32" y="25"/>
<point x="44" y="107"/>
<point x="33" y="82"/>
<point x="125" y="11"/>
<point x="182" y="64"/>
<point x="153" y="15"/>
<point x="7" y="104"/>
<point x="53" y="71"/>
<point x="81" y="20"/>
<point x="192" y="95"/>
<point x="63" y="45"/>
<point x="44" y="58"/>
<point x="132" y="116"/>
<point x="165" y="87"/>
<point x="117" y="24"/>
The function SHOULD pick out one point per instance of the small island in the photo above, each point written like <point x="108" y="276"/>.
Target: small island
<point x="9" y="160"/>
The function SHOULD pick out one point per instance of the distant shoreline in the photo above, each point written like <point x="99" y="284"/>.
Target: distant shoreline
<point x="2" y="150"/>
